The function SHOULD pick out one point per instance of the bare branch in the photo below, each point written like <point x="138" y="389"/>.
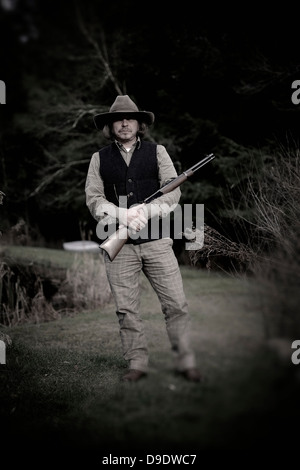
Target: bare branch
<point x="216" y="245"/>
<point x="99" y="53"/>
<point x="48" y="179"/>
<point x="260" y="74"/>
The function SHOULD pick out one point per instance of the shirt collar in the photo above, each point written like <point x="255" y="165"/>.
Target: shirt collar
<point x="137" y="144"/>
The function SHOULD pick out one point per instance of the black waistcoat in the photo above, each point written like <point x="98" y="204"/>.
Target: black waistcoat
<point x="134" y="182"/>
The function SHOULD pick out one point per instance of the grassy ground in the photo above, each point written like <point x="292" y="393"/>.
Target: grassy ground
<point x="45" y="256"/>
<point x="61" y="388"/>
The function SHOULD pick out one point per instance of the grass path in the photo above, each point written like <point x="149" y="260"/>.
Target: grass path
<point x="61" y="388"/>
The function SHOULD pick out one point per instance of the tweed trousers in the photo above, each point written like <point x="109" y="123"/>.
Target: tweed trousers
<point x="159" y="264"/>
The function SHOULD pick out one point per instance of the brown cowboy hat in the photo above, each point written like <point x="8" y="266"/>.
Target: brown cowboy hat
<point x="123" y="107"/>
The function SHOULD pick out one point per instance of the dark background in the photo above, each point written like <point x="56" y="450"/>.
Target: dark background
<point x="217" y="80"/>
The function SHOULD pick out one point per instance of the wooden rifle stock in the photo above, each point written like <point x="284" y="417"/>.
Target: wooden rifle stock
<point x="114" y="243"/>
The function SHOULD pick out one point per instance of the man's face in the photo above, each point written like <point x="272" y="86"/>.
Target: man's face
<point x="125" y="130"/>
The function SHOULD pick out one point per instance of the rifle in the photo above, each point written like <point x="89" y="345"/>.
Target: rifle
<point x="113" y="244"/>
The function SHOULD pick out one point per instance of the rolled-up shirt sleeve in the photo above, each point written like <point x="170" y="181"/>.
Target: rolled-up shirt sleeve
<point x="96" y="201"/>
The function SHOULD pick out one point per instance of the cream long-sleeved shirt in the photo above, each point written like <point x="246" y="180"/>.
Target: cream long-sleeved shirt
<point x="107" y="212"/>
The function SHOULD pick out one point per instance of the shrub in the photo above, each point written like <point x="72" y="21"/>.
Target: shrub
<point x="270" y="222"/>
<point x="87" y="281"/>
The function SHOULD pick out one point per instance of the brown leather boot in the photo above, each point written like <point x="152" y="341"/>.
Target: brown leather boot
<point x="134" y="375"/>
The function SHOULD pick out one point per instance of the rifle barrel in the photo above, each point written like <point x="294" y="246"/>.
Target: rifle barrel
<point x="179" y="179"/>
<point x="203" y="162"/>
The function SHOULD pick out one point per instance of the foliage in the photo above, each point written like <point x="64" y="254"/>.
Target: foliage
<point x="270" y="218"/>
<point x="1" y="202"/>
<point x="88" y="281"/>
<point x="40" y="285"/>
<point x="212" y="89"/>
<point x="275" y="198"/>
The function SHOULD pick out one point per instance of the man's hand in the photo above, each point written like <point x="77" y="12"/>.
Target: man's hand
<point x="133" y="218"/>
<point x="136" y="218"/>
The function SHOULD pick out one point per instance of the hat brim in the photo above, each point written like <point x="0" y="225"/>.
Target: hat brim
<point x="102" y="119"/>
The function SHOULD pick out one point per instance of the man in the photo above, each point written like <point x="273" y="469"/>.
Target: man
<point x="120" y="176"/>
